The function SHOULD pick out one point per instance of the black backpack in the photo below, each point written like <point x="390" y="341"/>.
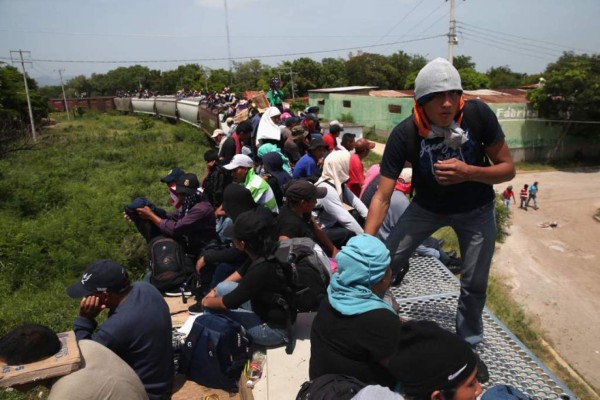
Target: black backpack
<point x="330" y="387"/>
<point x="166" y="260"/>
<point x="214" y="185"/>
<point x="215" y="352"/>
<point x="304" y="278"/>
<point x="304" y="273"/>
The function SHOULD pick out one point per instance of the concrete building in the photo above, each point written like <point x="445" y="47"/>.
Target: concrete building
<point x="529" y="137"/>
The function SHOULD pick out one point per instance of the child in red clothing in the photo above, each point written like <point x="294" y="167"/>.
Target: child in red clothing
<point x="523" y="195"/>
<point x="507" y="195"/>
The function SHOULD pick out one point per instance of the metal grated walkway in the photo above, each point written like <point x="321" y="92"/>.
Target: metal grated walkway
<point x="429" y="291"/>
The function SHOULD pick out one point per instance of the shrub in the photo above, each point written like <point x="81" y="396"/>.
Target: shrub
<point x="346" y="117"/>
<point x="503" y="219"/>
<point x="145" y="122"/>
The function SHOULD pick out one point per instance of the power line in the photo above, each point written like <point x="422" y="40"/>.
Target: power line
<point x="236" y="58"/>
<point x="500" y="42"/>
<point x="535" y="47"/>
<point x="437" y="20"/>
<point x="421" y="20"/>
<point x="183" y="36"/>
<point x="506" y="49"/>
<point x="525" y="38"/>
<point x="399" y="22"/>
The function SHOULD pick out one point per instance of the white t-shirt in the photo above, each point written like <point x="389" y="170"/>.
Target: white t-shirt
<point x="103" y="375"/>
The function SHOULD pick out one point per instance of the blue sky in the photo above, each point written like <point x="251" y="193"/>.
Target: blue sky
<point x="525" y="35"/>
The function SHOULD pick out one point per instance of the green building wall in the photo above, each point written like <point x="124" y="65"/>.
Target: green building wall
<point x="529" y="137"/>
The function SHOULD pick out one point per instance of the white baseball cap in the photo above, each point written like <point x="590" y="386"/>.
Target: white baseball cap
<point x="239" y="160"/>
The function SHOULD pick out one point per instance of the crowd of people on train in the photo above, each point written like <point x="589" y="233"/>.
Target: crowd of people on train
<point x="275" y="174"/>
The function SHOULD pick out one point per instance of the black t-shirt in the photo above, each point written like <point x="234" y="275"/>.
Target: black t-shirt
<point x="259" y="283"/>
<point x="228" y="150"/>
<point x="429" y="194"/>
<point x="353" y="345"/>
<point x="293" y="225"/>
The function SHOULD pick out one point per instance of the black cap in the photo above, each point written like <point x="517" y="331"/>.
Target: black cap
<point x="419" y="343"/>
<point x="187" y="184"/>
<point x="101" y="275"/>
<point x="173" y="174"/>
<point x="249" y="223"/>
<point x="304" y="190"/>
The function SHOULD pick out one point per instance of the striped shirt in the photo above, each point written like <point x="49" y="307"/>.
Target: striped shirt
<point x="261" y="191"/>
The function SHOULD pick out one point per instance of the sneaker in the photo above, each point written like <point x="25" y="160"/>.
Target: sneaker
<point x="196" y="309"/>
<point x="483" y="374"/>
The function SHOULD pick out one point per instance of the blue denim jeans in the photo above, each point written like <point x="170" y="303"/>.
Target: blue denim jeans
<point x="476" y="231"/>
<point x="260" y="332"/>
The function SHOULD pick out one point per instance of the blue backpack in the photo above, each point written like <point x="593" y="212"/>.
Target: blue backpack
<point x="504" y="392"/>
<point x="215" y="352"/>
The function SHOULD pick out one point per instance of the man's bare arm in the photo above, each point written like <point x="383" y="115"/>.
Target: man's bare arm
<point x="379" y="205"/>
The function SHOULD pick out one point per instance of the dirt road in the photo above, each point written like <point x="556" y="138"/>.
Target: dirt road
<point x="555" y="272"/>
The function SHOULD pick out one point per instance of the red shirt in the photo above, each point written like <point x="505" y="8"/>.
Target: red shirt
<point x="329" y="141"/>
<point x="357" y="174"/>
<point x="523" y="193"/>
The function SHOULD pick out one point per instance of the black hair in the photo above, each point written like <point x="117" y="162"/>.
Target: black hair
<point x="211" y="155"/>
<point x="244" y="127"/>
<point x="347" y="136"/>
<point x="28" y="343"/>
<point x="263" y="243"/>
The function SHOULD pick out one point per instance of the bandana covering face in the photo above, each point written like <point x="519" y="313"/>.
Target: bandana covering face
<point x="190" y="201"/>
<point x="454" y="136"/>
<point x="174" y="199"/>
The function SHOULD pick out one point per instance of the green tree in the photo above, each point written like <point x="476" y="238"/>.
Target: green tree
<point x="569" y="91"/>
<point x="247" y="74"/>
<point x="472" y="80"/>
<point x="463" y="62"/>
<point x="334" y="72"/>
<point x="218" y="79"/>
<point x="402" y="64"/>
<point x="14" y="113"/>
<point x="504" y="78"/>
<point x="307" y="75"/>
<point x="371" y="70"/>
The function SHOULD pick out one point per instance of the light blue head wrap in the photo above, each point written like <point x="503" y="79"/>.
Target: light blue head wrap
<point x="362" y="263"/>
<point x="269" y="147"/>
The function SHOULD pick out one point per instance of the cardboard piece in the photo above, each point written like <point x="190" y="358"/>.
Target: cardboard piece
<point x="261" y="101"/>
<point x="67" y="360"/>
<point x="240" y="116"/>
<point x="187" y="389"/>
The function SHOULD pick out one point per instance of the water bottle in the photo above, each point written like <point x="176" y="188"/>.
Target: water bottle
<point x="255" y="368"/>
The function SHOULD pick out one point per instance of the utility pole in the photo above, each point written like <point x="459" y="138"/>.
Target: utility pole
<point x="292" y="83"/>
<point x="26" y="89"/>
<point x="228" y="43"/>
<point x="62" y="85"/>
<point x="452" y="41"/>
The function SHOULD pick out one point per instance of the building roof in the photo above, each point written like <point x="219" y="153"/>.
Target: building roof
<point x="343" y="89"/>
<point x="486" y="95"/>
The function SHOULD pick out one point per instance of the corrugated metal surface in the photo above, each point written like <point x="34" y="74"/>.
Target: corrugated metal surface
<point x="430" y="292"/>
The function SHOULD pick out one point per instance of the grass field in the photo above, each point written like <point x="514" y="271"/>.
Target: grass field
<point x="61" y="204"/>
